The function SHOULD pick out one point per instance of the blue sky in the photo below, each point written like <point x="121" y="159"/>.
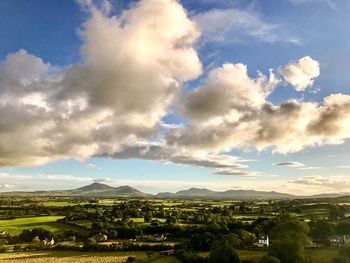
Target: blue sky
<point x="62" y="42"/>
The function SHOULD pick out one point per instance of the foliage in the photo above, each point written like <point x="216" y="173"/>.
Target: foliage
<point x="223" y="252"/>
<point x="289" y="240"/>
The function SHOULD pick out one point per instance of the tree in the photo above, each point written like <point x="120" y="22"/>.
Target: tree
<point x="223" y="252"/>
<point x="321" y="230"/>
<point x="113" y="234"/>
<point x="289" y="238"/>
<point x="343" y="228"/>
<point x="202" y="242"/>
<point x="90" y="242"/>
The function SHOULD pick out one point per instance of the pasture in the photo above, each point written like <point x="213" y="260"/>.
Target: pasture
<point x="16" y="226"/>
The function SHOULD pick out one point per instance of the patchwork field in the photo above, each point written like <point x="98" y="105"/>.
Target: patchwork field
<point x="16" y="226"/>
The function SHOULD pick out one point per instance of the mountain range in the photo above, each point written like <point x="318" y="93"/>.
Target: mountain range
<point x="94" y="190"/>
<point x="103" y="190"/>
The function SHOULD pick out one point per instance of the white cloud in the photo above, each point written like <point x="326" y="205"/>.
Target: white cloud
<point x="232" y="111"/>
<point x="221" y="163"/>
<point x="330" y="3"/>
<point x="302" y="73"/>
<point x="228" y="91"/>
<point x="118" y="94"/>
<point x="325" y="183"/>
<point x="233" y="25"/>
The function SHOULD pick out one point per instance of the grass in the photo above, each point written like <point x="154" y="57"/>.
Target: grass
<point x="58" y="203"/>
<point x="322" y="255"/>
<point x="86" y="257"/>
<point x="85" y="223"/>
<point x="316" y="255"/>
<point x="16" y="226"/>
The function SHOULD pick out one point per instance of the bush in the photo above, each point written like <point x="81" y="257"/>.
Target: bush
<point x="223" y="252"/>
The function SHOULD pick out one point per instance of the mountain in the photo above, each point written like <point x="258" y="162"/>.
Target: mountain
<point x="229" y="194"/>
<point x="195" y="192"/>
<point x="94" y="189"/>
<point x="103" y="190"/>
<point x="98" y="189"/>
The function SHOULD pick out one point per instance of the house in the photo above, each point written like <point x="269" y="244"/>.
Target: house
<point x="159" y="238"/>
<point x="152" y="238"/>
<point x="336" y="240"/>
<point x="48" y="242"/>
<point x="36" y="239"/>
<point x="168" y="252"/>
<point x="262" y="241"/>
<point x="100" y="237"/>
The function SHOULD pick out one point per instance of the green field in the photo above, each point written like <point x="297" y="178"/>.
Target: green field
<point x="87" y="257"/>
<point x="16" y="226"/>
<point x="59" y="203"/>
<point x="317" y="255"/>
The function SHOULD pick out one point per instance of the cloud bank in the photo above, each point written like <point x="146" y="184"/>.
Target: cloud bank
<point x="133" y="70"/>
<point x="118" y="94"/>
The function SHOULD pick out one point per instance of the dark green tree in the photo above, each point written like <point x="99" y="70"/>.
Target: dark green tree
<point x="289" y="238"/>
<point x="223" y="252"/>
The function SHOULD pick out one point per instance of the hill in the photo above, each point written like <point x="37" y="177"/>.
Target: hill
<point x="229" y="194"/>
<point x="94" y="189"/>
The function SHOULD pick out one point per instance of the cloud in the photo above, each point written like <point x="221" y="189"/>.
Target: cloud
<point x="6" y="186"/>
<point x="333" y="183"/>
<point x="221" y="163"/>
<point x="119" y="93"/>
<point x="91" y="166"/>
<point x="231" y="111"/>
<point x="302" y="73"/>
<point x="233" y="25"/>
<point x="289" y="164"/>
<point x="228" y="90"/>
<point x="330" y="3"/>
<point x="113" y="102"/>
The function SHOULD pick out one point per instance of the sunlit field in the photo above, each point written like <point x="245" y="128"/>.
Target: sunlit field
<point x="16" y="226"/>
<point x="72" y="257"/>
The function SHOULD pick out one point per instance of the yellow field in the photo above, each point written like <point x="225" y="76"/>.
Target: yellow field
<point x="77" y="257"/>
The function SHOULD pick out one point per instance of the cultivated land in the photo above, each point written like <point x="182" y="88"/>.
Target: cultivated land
<point x="17" y="225"/>
<point x="86" y="257"/>
<point x="150" y="229"/>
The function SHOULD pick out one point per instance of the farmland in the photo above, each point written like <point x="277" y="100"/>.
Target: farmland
<point x="113" y="229"/>
<point x="16" y="226"/>
<point x="69" y="257"/>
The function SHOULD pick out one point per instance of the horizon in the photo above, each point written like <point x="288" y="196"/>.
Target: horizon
<point x="175" y="192"/>
<point x="161" y="94"/>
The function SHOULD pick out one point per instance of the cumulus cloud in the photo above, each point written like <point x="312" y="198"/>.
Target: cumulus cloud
<point x="289" y="164"/>
<point x="119" y="93"/>
<point x="301" y="74"/>
<point x="228" y="90"/>
<point x="132" y="71"/>
<point x="232" y="111"/>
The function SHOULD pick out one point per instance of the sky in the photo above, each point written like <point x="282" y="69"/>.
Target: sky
<point x="164" y="95"/>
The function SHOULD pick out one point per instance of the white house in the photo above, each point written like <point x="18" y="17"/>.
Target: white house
<point x="100" y="237"/>
<point x="262" y="241"/>
<point x="48" y="242"/>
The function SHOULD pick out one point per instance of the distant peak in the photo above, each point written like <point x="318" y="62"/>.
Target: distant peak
<point x="95" y="186"/>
